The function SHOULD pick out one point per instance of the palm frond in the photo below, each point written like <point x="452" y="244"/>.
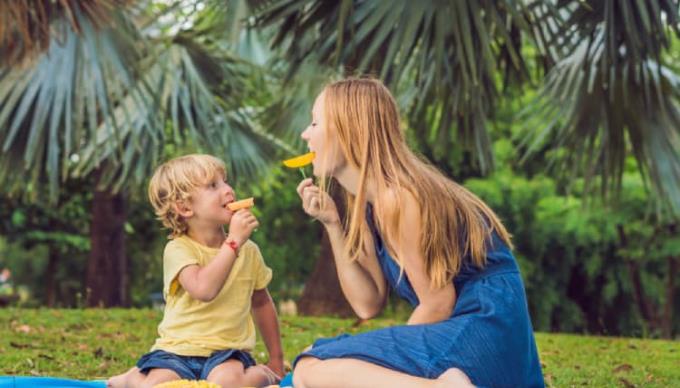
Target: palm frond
<point x="601" y="110"/>
<point x="634" y="30"/>
<point x="26" y="26"/>
<point x="195" y="100"/>
<point x="59" y="99"/>
<point x="119" y="100"/>
<point x="450" y="50"/>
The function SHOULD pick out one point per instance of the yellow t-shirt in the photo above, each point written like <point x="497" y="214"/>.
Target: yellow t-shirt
<point x="194" y="328"/>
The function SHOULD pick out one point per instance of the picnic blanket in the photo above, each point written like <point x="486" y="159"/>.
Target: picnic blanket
<point x="34" y="382"/>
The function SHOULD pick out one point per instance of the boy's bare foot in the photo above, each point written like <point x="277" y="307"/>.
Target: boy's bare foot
<point x="116" y="381"/>
<point x="120" y="381"/>
<point x="453" y="377"/>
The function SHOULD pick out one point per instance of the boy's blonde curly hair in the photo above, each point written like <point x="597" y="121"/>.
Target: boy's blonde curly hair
<point x="173" y="182"/>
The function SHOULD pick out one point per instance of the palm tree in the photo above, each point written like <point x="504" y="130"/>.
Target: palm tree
<point x="418" y="51"/>
<point x="608" y="92"/>
<point x="611" y="93"/>
<point x="448" y="53"/>
<point x="83" y="95"/>
<point x="444" y="58"/>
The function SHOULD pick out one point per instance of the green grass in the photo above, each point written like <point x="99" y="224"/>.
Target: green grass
<point x="94" y="344"/>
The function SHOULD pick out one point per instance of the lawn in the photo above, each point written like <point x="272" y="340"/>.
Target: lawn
<point x="94" y="344"/>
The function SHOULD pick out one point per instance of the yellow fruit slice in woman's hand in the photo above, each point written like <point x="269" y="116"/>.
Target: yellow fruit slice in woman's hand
<point x="300" y="161"/>
<point x="242" y="204"/>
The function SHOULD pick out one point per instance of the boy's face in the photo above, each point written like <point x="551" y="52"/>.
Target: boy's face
<point x="208" y="203"/>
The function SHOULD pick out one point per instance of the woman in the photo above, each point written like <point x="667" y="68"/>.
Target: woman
<point x="435" y="243"/>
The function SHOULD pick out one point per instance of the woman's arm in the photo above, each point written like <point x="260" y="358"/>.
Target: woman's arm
<point x="267" y="322"/>
<point x="361" y="281"/>
<point x="435" y="304"/>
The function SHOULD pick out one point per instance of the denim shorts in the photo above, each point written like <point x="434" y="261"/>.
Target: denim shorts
<point x="191" y="367"/>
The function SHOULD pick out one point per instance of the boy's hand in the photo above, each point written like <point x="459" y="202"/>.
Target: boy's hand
<point x="242" y="224"/>
<point x="277" y="367"/>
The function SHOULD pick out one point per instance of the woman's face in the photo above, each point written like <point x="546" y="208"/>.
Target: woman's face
<point x="329" y="158"/>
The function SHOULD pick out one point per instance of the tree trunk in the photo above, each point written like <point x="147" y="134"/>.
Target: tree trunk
<point x="644" y="304"/>
<point x="645" y="307"/>
<point x="107" y="278"/>
<point x="322" y="294"/>
<point x="50" y="283"/>
<point x="667" y="324"/>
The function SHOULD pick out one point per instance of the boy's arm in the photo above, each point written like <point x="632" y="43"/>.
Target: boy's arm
<point x="266" y="320"/>
<point x="204" y="283"/>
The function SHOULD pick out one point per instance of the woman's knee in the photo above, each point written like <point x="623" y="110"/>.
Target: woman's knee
<point x="454" y="377"/>
<point x="302" y="371"/>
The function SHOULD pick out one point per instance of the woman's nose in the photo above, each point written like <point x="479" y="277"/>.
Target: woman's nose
<point x="305" y="134"/>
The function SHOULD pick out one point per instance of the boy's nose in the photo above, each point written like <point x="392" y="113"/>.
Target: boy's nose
<point x="228" y="189"/>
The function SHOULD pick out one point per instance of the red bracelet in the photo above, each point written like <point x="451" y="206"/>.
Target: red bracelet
<point x="233" y="245"/>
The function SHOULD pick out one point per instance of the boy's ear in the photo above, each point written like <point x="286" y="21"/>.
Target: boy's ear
<point x="183" y="209"/>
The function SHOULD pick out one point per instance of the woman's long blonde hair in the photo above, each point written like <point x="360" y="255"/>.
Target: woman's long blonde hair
<point x="362" y="116"/>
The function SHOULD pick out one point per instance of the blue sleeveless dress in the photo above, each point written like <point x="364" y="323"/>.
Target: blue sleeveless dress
<point x="488" y="336"/>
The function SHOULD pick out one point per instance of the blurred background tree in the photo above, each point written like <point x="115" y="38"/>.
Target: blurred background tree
<point x="563" y="115"/>
<point x="98" y="90"/>
<point x="595" y="62"/>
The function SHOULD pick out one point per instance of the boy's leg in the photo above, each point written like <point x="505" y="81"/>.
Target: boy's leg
<point x="260" y="376"/>
<point x="119" y="380"/>
<point x="155" y="376"/>
<point x="229" y="374"/>
<point x="348" y="373"/>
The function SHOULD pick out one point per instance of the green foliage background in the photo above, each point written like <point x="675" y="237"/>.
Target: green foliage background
<point x="573" y="261"/>
<point x="578" y="252"/>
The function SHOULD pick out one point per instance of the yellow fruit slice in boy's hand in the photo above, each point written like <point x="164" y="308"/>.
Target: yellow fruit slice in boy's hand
<point x="300" y="161"/>
<point x="242" y="204"/>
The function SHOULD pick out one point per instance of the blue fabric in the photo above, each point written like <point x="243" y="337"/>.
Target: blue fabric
<point x="286" y="381"/>
<point x="32" y="382"/>
<point x="488" y="336"/>
<point x="189" y="367"/>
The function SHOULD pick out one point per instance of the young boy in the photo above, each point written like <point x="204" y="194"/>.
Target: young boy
<point x="212" y="283"/>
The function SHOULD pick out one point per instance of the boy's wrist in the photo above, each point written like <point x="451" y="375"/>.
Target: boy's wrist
<point x="232" y="244"/>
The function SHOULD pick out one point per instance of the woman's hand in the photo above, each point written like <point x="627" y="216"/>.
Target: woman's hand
<point x="242" y="224"/>
<point x="311" y="196"/>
